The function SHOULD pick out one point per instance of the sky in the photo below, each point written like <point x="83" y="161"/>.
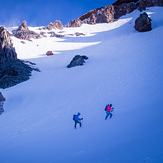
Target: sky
<point x="42" y="12"/>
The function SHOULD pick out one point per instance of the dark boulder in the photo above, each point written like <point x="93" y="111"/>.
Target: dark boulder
<point x="77" y="61"/>
<point x="143" y="23"/>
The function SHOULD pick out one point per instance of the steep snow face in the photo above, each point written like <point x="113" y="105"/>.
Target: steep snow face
<point x="124" y="68"/>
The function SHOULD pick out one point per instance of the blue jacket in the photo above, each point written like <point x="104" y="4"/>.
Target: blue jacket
<point x="77" y="117"/>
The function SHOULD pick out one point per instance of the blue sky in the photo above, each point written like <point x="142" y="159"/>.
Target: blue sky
<point x="42" y="12"/>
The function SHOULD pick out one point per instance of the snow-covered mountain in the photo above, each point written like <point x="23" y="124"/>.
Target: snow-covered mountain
<point x="124" y="68"/>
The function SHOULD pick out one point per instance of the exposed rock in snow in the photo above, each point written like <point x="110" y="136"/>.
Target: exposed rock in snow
<point x="88" y="14"/>
<point x="53" y="34"/>
<point x="106" y="14"/>
<point x="6" y="46"/>
<point x="48" y="53"/>
<point x="55" y="25"/>
<point x="43" y="34"/>
<point x="12" y="70"/>
<point x="24" y="33"/>
<point x="123" y="9"/>
<point x="79" y="34"/>
<point x="113" y="12"/>
<point x="103" y="15"/>
<point x="143" y="23"/>
<point x="75" y="23"/>
<point x="77" y="61"/>
<point x="149" y="3"/>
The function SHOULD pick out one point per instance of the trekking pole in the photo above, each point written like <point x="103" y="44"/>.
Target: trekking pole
<point x="82" y="122"/>
<point x="113" y="112"/>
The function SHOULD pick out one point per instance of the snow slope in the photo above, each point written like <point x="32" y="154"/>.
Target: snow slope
<point x="124" y="68"/>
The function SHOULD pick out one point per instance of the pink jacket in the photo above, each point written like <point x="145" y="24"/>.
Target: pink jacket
<point x="108" y="109"/>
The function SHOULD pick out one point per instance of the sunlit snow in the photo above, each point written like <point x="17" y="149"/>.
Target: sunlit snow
<point x="124" y="68"/>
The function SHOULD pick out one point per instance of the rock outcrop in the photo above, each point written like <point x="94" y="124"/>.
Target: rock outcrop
<point x="6" y="47"/>
<point x="53" y="34"/>
<point x="77" y="61"/>
<point x="79" y="34"/>
<point x="88" y="14"/>
<point x="149" y="3"/>
<point x="103" y="15"/>
<point x="123" y="9"/>
<point x="75" y="23"/>
<point x="143" y="23"/>
<point x="48" y="53"/>
<point x="55" y="25"/>
<point x="12" y="70"/>
<point x="106" y="14"/>
<point x="113" y="12"/>
<point x="24" y="33"/>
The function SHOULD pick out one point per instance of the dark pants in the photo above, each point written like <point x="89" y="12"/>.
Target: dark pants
<point x="76" y="123"/>
<point x="108" y="114"/>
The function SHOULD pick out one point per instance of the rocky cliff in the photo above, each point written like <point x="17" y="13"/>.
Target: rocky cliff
<point x="12" y="70"/>
<point x="6" y="47"/>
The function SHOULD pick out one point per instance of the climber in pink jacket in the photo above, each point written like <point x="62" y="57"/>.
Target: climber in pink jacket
<point x="108" y="110"/>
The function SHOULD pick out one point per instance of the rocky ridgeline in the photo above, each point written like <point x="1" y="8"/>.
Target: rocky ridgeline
<point x="113" y="12"/>
<point x="12" y="70"/>
<point x="24" y="33"/>
<point x="106" y="14"/>
<point x="55" y="25"/>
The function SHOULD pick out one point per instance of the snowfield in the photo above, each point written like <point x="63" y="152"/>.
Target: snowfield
<point x="124" y="68"/>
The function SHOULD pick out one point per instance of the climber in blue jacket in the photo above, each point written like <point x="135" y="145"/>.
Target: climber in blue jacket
<point x="77" y="120"/>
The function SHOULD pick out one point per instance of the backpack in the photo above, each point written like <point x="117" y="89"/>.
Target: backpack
<point x="106" y="107"/>
<point x="74" y="117"/>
